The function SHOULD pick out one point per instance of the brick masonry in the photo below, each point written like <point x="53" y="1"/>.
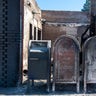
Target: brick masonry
<point x="30" y="19"/>
<point x="63" y="22"/>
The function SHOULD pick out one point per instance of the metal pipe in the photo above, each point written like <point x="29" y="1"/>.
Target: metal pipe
<point x="21" y="41"/>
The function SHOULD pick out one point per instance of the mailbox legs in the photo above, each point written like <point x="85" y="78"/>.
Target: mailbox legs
<point x="78" y="76"/>
<point x="48" y="83"/>
<point x="53" y="86"/>
<point x="85" y="76"/>
<point x="32" y="82"/>
<point x="78" y="87"/>
<point x="48" y="86"/>
<point x="85" y="86"/>
<point x="28" y="85"/>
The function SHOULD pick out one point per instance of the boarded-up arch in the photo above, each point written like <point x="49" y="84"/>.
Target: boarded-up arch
<point x="66" y="60"/>
<point x="89" y="61"/>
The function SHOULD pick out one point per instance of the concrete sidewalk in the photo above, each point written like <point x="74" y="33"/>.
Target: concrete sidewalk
<point x="40" y="89"/>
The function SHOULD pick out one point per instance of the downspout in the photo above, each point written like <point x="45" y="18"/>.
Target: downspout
<point x="21" y="41"/>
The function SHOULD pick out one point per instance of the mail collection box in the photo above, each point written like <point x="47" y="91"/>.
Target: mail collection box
<point x="39" y="61"/>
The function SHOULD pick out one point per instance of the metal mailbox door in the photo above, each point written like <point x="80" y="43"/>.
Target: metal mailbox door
<point x="66" y="60"/>
<point x="38" y="59"/>
<point x="89" y="61"/>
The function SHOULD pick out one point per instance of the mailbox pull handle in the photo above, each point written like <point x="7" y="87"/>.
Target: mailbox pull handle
<point x="33" y="58"/>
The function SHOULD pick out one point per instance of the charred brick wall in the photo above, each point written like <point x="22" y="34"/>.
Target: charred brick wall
<point x="51" y="31"/>
<point x="58" y="23"/>
<point x="65" y="16"/>
<point x="10" y="40"/>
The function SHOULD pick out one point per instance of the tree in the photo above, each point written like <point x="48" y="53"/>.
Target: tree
<point x="86" y="6"/>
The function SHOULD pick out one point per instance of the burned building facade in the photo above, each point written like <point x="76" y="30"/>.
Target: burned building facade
<point x="64" y="23"/>
<point x="32" y="28"/>
<point x="23" y="20"/>
<point x="20" y="21"/>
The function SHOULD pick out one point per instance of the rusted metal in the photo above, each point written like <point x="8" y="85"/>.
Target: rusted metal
<point x="89" y="61"/>
<point x="66" y="61"/>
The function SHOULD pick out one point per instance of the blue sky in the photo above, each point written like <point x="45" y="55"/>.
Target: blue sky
<point x="67" y="5"/>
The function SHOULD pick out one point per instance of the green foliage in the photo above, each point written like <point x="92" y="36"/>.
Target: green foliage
<point x="86" y="6"/>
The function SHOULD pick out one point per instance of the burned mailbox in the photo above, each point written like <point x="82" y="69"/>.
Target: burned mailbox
<point x="66" y="61"/>
<point x="39" y="62"/>
<point x="89" y="61"/>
